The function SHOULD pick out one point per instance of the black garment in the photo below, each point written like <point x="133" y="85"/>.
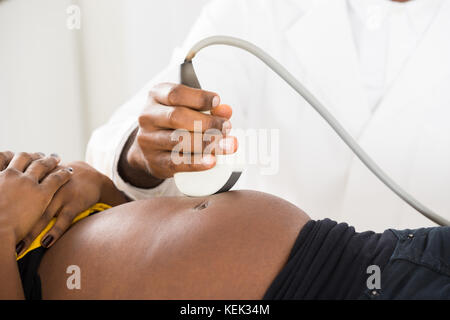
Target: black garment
<point x="329" y="261"/>
<point x="419" y="267"/>
<point x="28" y="267"/>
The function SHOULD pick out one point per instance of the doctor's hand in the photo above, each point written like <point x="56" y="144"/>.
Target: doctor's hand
<point x="148" y="156"/>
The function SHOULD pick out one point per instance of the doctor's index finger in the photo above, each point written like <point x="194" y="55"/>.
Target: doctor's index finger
<point x="172" y="94"/>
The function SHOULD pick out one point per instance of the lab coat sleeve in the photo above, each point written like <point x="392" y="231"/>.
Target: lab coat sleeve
<point x="107" y="142"/>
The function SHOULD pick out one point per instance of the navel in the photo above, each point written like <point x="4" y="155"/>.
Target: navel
<point x="202" y="205"/>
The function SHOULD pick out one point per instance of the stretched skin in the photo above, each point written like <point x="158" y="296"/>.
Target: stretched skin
<point x="225" y="246"/>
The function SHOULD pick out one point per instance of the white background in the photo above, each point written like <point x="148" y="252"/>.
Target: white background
<point x="57" y="85"/>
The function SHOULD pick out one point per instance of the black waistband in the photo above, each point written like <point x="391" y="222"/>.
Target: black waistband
<point x="28" y="267"/>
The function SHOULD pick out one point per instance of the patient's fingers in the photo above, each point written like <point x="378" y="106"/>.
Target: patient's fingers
<point x="63" y="222"/>
<point x="43" y="221"/>
<point x="40" y="168"/>
<point x="50" y="184"/>
<point x="22" y="160"/>
<point x="55" y="206"/>
<point x="56" y="180"/>
<point x="5" y="159"/>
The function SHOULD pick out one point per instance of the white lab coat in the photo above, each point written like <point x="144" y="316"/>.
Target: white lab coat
<point x="408" y="134"/>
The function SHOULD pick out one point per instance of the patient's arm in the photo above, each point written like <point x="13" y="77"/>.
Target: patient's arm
<point x="26" y="186"/>
<point x="226" y="246"/>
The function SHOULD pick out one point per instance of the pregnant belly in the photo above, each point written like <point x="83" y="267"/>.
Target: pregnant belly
<point x="226" y="246"/>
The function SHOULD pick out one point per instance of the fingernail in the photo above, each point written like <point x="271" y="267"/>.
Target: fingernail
<point x="54" y="155"/>
<point x="41" y="154"/>
<point x="227" y="145"/>
<point x="20" y="246"/>
<point x="47" y="240"/>
<point x="226" y="126"/>
<point x="208" y="159"/>
<point x="215" y="101"/>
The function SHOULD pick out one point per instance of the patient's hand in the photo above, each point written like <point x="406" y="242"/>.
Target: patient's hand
<point x="27" y="185"/>
<point x="86" y="188"/>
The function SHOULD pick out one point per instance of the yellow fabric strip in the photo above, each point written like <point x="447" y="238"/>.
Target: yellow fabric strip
<point x="37" y="242"/>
